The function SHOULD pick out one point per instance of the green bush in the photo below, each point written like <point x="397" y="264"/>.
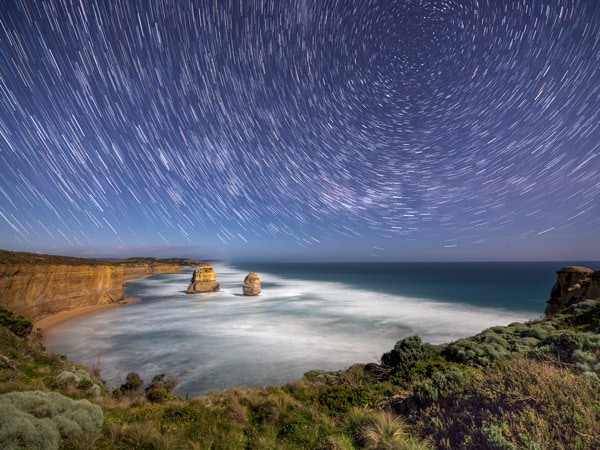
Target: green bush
<point x="133" y="383"/>
<point x="35" y="419"/>
<point x="408" y="350"/>
<point x="341" y="397"/>
<point x="162" y="388"/>
<point x="18" y="325"/>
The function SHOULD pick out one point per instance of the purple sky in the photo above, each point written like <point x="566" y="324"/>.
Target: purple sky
<point x="350" y="130"/>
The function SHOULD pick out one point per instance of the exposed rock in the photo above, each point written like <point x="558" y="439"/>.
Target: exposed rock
<point x="136" y="270"/>
<point x="37" y="286"/>
<point x="37" y="291"/>
<point x="204" y="279"/>
<point x="251" y="284"/>
<point x="573" y="285"/>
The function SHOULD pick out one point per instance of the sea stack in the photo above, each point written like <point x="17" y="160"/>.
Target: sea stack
<point x="251" y="285"/>
<point x="573" y="285"/>
<point x="204" y="279"/>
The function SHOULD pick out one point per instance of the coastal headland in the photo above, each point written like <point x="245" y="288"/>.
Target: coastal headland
<point x="47" y="289"/>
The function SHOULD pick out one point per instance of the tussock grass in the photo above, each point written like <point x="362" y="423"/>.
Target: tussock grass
<point x="523" y="403"/>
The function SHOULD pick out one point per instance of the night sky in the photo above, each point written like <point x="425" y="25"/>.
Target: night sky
<point x="353" y="130"/>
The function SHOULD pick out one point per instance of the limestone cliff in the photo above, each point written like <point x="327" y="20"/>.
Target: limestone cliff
<point x="136" y="270"/>
<point x="573" y="284"/>
<point x="37" y="291"/>
<point x="251" y="284"/>
<point x="36" y="286"/>
<point x="204" y="279"/>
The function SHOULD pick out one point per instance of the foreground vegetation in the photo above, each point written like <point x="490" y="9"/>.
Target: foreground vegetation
<point x="523" y="386"/>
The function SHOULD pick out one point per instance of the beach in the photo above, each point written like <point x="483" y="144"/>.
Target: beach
<point x="323" y="316"/>
<point x="64" y="316"/>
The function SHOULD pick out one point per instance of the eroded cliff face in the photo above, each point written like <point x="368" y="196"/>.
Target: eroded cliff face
<point x="573" y="284"/>
<point x="37" y="291"/>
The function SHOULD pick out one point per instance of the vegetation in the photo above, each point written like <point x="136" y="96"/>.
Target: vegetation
<point x="35" y="419"/>
<point x="523" y="386"/>
<point x="9" y="257"/>
<point x="17" y="325"/>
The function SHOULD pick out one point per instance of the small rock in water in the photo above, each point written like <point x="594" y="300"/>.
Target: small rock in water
<point x="204" y="279"/>
<point x="251" y="284"/>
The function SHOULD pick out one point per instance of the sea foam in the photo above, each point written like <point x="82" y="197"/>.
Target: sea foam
<point x="216" y="340"/>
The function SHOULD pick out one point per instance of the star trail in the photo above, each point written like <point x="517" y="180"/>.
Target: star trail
<point x="355" y="129"/>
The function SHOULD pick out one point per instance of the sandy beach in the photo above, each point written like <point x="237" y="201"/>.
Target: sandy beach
<point x="48" y="322"/>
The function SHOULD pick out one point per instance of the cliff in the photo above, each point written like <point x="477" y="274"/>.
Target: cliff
<point x="36" y="291"/>
<point x="37" y="286"/>
<point x="137" y="270"/>
<point x="573" y="285"/>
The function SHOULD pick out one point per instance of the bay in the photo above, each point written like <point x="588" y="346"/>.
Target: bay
<point x="308" y="316"/>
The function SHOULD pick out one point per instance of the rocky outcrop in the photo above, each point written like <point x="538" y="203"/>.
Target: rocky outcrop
<point x="37" y="285"/>
<point x="573" y="285"/>
<point x="251" y="285"/>
<point x="37" y="291"/>
<point x="204" y="279"/>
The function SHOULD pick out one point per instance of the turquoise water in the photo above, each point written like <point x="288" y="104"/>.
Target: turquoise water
<point x="308" y="316"/>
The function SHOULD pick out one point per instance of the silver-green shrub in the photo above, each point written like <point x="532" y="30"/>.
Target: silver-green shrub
<point x="81" y="380"/>
<point x="40" y="420"/>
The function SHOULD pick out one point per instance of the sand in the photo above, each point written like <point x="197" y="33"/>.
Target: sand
<point x="48" y="322"/>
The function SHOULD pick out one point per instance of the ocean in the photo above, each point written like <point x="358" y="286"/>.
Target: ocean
<point x="309" y="316"/>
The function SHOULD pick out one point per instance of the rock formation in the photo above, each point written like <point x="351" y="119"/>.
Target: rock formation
<point x="37" y="291"/>
<point x="251" y="284"/>
<point x="36" y="286"/>
<point x="204" y="279"/>
<point x="573" y="284"/>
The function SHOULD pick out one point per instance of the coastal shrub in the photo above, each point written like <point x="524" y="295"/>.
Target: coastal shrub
<point x="494" y="437"/>
<point x="408" y="350"/>
<point x="341" y="397"/>
<point x="24" y="366"/>
<point x="161" y="388"/>
<point x="411" y="360"/>
<point x="79" y="379"/>
<point x="577" y="349"/>
<point x="133" y="383"/>
<point x="425" y="393"/>
<point x="18" y="325"/>
<point x="35" y="419"/>
<point x="584" y="316"/>
<point x="522" y="403"/>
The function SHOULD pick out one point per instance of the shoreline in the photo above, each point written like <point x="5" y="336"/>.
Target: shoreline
<point x="47" y="323"/>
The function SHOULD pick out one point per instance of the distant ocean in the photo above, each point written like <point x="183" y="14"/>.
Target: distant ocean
<point x="308" y="316"/>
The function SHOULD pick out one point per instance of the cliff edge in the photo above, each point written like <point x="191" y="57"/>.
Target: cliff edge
<point x="36" y="286"/>
<point x="573" y="285"/>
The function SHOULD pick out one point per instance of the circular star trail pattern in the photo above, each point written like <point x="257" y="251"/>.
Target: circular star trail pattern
<point x="393" y="127"/>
